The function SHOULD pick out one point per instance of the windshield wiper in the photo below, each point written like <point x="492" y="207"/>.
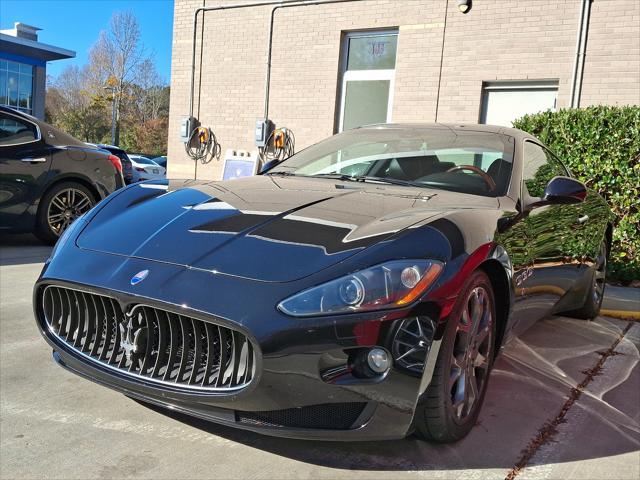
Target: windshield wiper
<point x="334" y="176"/>
<point x="392" y="181"/>
<point x="367" y="178"/>
<point x="281" y="173"/>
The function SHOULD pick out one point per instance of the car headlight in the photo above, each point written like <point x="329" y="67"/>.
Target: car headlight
<point x="392" y="284"/>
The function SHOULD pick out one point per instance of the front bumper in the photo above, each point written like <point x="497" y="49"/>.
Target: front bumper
<point x="293" y="353"/>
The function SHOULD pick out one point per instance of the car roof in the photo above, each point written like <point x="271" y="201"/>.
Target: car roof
<point x="109" y="147"/>
<point x="50" y="134"/>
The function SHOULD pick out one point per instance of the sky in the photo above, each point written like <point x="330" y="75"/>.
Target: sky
<point x="76" y="24"/>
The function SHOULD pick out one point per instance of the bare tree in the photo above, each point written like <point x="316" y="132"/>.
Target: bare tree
<point x="72" y="85"/>
<point x="116" y="56"/>
<point x="147" y="93"/>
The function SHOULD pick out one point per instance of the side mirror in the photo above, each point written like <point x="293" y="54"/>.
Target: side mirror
<point x="563" y="190"/>
<point x="268" y="166"/>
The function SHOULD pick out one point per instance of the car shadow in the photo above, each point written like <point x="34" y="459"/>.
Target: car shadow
<point x="530" y="384"/>
<point x="20" y="249"/>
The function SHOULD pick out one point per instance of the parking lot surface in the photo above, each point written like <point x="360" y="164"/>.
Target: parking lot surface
<point x="563" y="402"/>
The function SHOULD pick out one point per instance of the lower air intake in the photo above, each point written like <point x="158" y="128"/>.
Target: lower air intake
<point x="328" y="416"/>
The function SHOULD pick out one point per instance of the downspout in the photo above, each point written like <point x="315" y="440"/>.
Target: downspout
<point x="232" y="6"/>
<point x="444" y="32"/>
<point x="204" y="9"/>
<point x="581" y="48"/>
<point x="204" y="4"/>
<point x="300" y="3"/>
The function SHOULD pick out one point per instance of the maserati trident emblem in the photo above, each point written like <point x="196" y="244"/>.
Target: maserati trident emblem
<point x="132" y="339"/>
<point x="138" y="277"/>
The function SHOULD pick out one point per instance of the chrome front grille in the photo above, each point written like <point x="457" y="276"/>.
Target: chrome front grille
<point x="149" y="342"/>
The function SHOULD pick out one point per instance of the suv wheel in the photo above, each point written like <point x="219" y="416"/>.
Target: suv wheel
<point x="59" y="207"/>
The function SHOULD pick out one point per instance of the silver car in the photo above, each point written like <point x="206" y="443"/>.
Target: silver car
<point x="146" y="169"/>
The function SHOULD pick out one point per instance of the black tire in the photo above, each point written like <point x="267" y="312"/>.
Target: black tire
<point x="593" y="301"/>
<point x="436" y="418"/>
<point x="77" y="199"/>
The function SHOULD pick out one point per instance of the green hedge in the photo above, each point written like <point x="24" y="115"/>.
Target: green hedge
<point x="601" y="147"/>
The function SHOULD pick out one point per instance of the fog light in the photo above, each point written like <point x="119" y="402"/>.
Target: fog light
<point x="378" y="360"/>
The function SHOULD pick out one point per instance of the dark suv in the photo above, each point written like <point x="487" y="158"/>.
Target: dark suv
<point x="48" y="178"/>
<point x="127" y="168"/>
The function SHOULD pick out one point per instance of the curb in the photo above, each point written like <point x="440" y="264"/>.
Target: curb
<point x="621" y="302"/>
<point x="621" y="314"/>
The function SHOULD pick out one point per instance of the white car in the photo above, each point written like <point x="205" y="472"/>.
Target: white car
<point x="146" y="169"/>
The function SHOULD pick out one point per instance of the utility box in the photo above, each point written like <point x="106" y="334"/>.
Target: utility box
<point x="262" y="131"/>
<point x="187" y="126"/>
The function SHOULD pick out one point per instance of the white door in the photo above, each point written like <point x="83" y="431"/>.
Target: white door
<point x="504" y="103"/>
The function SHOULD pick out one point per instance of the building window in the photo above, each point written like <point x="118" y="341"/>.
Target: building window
<point x="369" y="62"/>
<point x="503" y="102"/>
<point x="16" y="85"/>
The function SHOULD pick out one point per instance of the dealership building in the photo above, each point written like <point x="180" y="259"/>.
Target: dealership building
<point x="23" y="68"/>
<point x="341" y="65"/>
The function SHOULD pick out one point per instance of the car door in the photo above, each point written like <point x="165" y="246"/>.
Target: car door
<point x="24" y="165"/>
<point x="551" y="232"/>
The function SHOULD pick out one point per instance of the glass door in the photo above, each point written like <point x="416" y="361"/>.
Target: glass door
<point x="368" y="78"/>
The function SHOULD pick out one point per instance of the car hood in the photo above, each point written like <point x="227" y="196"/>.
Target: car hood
<point x="266" y="228"/>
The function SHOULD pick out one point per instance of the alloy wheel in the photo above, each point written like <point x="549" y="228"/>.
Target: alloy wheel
<point x="472" y="353"/>
<point x="65" y="207"/>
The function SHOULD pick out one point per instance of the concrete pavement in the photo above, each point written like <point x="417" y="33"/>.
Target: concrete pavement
<point x="56" y="425"/>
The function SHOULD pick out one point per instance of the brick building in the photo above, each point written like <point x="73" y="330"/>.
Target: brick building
<point x="340" y="65"/>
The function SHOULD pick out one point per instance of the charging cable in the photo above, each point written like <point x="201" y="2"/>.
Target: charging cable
<point x="281" y="144"/>
<point x="203" y="146"/>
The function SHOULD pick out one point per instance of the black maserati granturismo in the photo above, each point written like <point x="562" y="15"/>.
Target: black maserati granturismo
<point x="359" y="290"/>
<point x="48" y="178"/>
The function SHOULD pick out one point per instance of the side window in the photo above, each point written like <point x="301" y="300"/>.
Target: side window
<point x="556" y="161"/>
<point x="538" y="169"/>
<point x="14" y="131"/>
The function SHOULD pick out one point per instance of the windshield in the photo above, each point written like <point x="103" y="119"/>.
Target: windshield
<point x="435" y="157"/>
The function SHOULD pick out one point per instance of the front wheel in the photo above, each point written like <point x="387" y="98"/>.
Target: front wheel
<point x="449" y="408"/>
<point x="59" y="207"/>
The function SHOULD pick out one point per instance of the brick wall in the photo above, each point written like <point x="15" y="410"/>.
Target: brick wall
<point x="496" y="40"/>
